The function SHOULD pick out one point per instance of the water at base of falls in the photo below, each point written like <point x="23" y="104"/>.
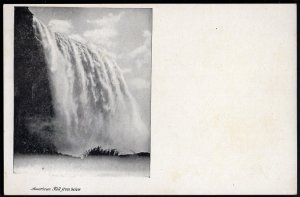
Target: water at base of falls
<point x="93" y="105"/>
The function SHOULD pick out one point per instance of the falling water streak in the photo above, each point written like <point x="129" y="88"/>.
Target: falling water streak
<point x="93" y="105"/>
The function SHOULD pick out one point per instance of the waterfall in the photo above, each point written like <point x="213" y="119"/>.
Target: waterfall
<point x="93" y="105"/>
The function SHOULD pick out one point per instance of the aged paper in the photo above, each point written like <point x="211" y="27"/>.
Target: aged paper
<point x="223" y="105"/>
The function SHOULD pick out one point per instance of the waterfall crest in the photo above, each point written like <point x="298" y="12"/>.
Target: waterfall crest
<point x="93" y="105"/>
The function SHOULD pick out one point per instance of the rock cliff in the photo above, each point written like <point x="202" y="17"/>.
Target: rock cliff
<point x="32" y="95"/>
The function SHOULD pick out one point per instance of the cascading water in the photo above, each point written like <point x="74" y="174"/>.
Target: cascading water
<point x="93" y="105"/>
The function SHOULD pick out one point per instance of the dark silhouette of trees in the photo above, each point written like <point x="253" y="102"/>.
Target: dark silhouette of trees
<point x="100" y="151"/>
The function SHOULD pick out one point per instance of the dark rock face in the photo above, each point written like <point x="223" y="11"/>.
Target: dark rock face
<point x="32" y="92"/>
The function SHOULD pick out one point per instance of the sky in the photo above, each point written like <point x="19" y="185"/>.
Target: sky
<point x="124" y="33"/>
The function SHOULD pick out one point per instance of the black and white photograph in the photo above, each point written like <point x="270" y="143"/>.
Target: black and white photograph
<point x="82" y="91"/>
<point x="150" y="99"/>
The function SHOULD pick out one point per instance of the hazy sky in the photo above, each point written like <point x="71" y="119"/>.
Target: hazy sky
<point x="125" y="33"/>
